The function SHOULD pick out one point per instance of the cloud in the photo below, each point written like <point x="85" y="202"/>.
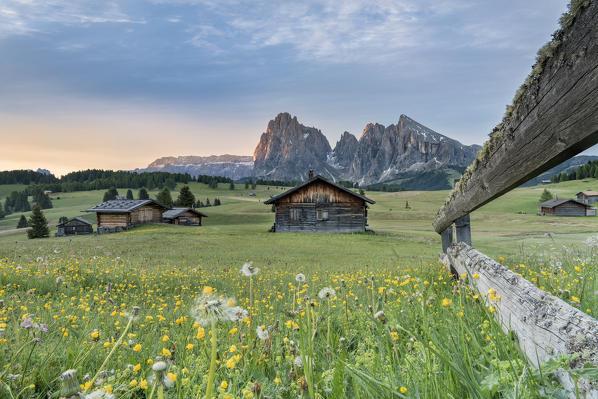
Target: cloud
<point x="22" y="17"/>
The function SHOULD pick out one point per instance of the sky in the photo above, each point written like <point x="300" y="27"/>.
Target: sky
<point x="117" y="84"/>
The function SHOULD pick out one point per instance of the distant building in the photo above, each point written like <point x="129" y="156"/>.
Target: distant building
<point x="588" y="196"/>
<point x="75" y="226"/>
<point x="183" y="216"/>
<point x="123" y="214"/>
<point x="566" y="207"/>
<point x="545" y="182"/>
<point x="319" y="206"/>
<point x="47" y="192"/>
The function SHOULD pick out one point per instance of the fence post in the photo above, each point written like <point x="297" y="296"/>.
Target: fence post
<point x="462" y="227"/>
<point x="447" y="238"/>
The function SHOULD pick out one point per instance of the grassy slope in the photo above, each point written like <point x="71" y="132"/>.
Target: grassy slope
<point x="238" y="228"/>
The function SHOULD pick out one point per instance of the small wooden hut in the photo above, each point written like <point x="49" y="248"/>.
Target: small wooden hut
<point x="566" y="207"/>
<point x="320" y="206"/>
<point x="118" y="215"/>
<point x="588" y="196"/>
<point x="183" y="216"/>
<point x="74" y="226"/>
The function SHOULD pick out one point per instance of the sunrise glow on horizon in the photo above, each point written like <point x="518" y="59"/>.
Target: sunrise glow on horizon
<point x="116" y="85"/>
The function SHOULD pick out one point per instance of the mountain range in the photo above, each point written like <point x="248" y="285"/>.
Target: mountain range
<point x="399" y="154"/>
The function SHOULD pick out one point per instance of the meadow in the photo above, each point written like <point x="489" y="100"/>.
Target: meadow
<point x="165" y="311"/>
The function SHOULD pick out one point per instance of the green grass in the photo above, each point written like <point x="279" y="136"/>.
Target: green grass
<point x="78" y="285"/>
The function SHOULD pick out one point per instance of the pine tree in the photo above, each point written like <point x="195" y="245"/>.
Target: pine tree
<point x="164" y="197"/>
<point x="246" y="185"/>
<point x="216" y="201"/>
<point x="253" y="185"/>
<point x="143" y="195"/>
<point x="110" y="194"/>
<point x="129" y="195"/>
<point x="186" y="198"/>
<point x="42" y="199"/>
<point x="63" y="219"/>
<point x="7" y="208"/>
<point x="38" y="224"/>
<point x="232" y="185"/>
<point x="208" y="202"/>
<point x="2" y="214"/>
<point x="22" y="222"/>
<point x="546" y="195"/>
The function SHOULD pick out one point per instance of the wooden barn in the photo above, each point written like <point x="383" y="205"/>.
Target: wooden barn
<point x="566" y="207"/>
<point x="119" y="215"/>
<point x="74" y="226"/>
<point x="320" y="206"/>
<point x="588" y="196"/>
<point x="183" y="216"/>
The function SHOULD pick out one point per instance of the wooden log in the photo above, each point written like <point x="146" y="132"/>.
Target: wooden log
<point x="463" y="229"/>
<point x="555" y="119"/>
<point x="544" y="325"/>
<point x="447" y="238"/>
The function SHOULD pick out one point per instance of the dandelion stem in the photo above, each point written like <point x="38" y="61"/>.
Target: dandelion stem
<point x="27" y="362"/>
<point x="212" y="361"/>
<point x="161" y="392"/>
<point x="328" y="321"/>
<point x="251" y="305"/>
<point x="116" y="345"/>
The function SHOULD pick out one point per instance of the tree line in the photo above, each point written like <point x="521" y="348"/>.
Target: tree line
<point x="18" y="201"/>
<point x="185" y="199"/>
<point x="98" y="179"/>
<point x="590" y="169"/>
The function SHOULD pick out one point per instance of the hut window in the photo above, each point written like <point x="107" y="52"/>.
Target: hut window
<point x="295" y="214"/>
<point x="322" y="215"/>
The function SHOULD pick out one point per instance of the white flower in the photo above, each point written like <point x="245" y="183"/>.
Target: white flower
<point x="262" y="332"/>
<point x="159" y="366"/>
<point x="99" y="394"/>
<point x="213" y="308"/>
<point x="249" y="270"/>
<point x="168" y="382"/>
<point x="300" y="278"/>
<point x="59" y="279"/>
<point x="327" y="293"/>
<point x="298" y="362"/>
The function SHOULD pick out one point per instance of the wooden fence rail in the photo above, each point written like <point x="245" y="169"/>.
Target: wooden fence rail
<point x="554" y="119"/>
<point x="544" y="325"/>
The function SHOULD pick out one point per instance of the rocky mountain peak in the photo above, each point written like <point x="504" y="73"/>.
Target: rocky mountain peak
<point x="288" y="148"/>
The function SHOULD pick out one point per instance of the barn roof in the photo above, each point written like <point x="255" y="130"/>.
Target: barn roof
<point x="312" y="180"/>
<point x="556" y="202"/>
<point x="78" y="219"/>
<point x="122" y="206"/>
<point x="588" y="193"/>
<point x="174" y="212"/>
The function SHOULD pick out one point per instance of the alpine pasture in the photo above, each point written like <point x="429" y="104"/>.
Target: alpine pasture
<point x="165" y="311"/>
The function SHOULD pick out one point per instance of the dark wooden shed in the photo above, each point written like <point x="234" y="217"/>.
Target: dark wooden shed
<point x="566" y="207"/>
<point x="74" y="226"/>
<point x="320" y="206"/>
<point x="183" y="216"/>
<point x="588" y="196"/>
<point x="119" y="215"/>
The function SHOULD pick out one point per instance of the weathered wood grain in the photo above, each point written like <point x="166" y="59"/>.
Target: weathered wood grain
<point x="545" y="325"/>
<point x="556" y="119"/>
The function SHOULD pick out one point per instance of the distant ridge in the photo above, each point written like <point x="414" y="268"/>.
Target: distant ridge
<point x="287" y="149"/>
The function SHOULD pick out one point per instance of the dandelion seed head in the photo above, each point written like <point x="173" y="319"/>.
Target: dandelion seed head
<point x="300" y="278"/>
<point x="327" y="293"/>
<point x="249" y="270"/>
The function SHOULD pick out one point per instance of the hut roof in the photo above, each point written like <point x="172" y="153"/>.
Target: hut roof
<point x="122" y="206"/>
<point x="588" y="193"/>
<point x="556" y="202"/>
<point x="175" y="212"/>
<point x="78" y="219"/>
<point x="312" y="180"/>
